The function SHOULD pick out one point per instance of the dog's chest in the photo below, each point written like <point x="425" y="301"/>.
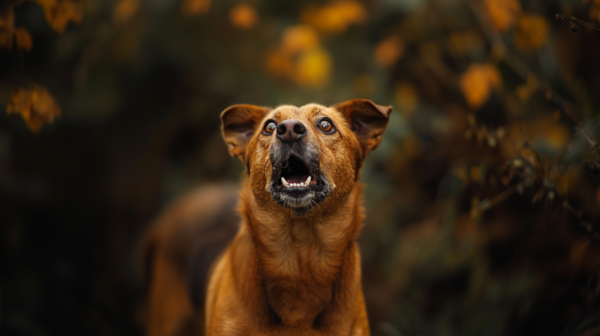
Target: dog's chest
<point x="299" y="300"/>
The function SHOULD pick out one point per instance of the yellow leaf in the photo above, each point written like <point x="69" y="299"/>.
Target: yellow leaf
<point x="313" y="68"/>
<point x="195" y="7"/>
<point x="503" y="14"/>
<point x="125" y="9"/>
<point x="477" y="83"/>
<point x="299" y="38"/>
<point x="531" y="33"/>
<point x="35" y="105"/>
<point x="24" y="40"/>
<point x="243" y="16"/>
<point x="59" y="12"/>
<point x="389" y="50"/>
<point x="7" y="27"/>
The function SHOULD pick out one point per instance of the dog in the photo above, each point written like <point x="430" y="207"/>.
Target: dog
<point x="290" y="264"/>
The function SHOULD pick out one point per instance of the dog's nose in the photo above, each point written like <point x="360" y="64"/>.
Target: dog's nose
<point x="290" y="130"/>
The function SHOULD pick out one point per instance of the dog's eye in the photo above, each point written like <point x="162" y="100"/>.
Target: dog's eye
<point x="270" y="127"/>
<point x="326" y="126"/>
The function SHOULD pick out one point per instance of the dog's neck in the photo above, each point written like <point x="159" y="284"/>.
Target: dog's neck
<point x="301" y="259"/>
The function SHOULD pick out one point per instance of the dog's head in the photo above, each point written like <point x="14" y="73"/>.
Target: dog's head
<point x="298" y="156"/>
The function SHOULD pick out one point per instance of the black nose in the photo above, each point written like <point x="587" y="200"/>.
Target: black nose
<point x="290" y="130"/>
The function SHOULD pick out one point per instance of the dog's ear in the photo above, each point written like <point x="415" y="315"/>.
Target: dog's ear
<point x="238" y="123"/>
<point x="367" y="119"/>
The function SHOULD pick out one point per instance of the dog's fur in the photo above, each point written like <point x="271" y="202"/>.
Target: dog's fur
<point x="293" y="267"/>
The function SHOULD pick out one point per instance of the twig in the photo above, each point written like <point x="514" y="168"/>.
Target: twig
<point x="523" y="70"/>
<point x="575" y="22"/>
<point x="496" y="40"/>
<point x="498" y="198"/>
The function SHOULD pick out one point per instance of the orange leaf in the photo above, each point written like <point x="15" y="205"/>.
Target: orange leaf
<point x="477" y="83"/>
<point x="388" y="51"/>
<point x="243" y="16"/>
<point x="531" y="33"/>
<point x="335" y="17"/>
<point x="299" y="38"/>
<point x="502" y="13"/>
<point x="35" y="105"/>
<point x="60" y="12"/>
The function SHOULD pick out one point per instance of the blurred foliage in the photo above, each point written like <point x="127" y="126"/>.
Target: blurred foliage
<point x="483" y="199"/>
<point x="35" y="105"/>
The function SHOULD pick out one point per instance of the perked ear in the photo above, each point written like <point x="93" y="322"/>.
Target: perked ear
<point x="367" y="119"/>
<point x="238" y="123"/>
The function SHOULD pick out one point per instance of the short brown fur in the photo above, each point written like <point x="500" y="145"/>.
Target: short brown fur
<point x="285" y="272"/>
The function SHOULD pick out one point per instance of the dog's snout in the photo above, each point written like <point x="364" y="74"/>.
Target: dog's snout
<point x="291" y="130"/>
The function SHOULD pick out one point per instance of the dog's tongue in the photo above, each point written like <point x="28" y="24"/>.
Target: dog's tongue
<point x="296" y="178"/>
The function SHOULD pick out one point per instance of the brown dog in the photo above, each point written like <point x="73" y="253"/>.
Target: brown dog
<point x="293" y="267"/>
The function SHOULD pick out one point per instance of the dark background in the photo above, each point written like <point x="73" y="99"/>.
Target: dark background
<point x="483" y="199"/>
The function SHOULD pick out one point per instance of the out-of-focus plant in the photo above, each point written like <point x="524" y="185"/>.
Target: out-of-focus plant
<point x="35" y="104"/>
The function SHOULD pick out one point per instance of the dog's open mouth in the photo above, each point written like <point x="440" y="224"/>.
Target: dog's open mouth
<point x="295" y="174"/>
<point x="298" y="185"/>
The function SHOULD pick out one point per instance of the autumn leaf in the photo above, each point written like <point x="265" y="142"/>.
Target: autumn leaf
<point x="243" y="16"/>
<point x="389" y="50"/>
<point x="7" y="27"/>
<point x="24" y="40"/>
<point x="531" y="33"/>
<point x="503" y="14"/>
<point x="335" y="17"/>
<point x="195" y="7"/>
<point x="35" y="105"/>
<point x="60" y="12"/>
<point x="313" y="68"/>
<point x="299" y="38"/>
<point x="477" y="83"/>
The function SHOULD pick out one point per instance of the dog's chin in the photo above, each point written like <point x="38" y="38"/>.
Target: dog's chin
<point x="298" y="185"/>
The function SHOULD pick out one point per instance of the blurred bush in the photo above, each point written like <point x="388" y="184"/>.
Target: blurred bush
<point x="483" y="199"/>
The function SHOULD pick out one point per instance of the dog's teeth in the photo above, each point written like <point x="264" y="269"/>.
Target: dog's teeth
<point x="285" y="183"/>
<point x="307" y="182"/>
